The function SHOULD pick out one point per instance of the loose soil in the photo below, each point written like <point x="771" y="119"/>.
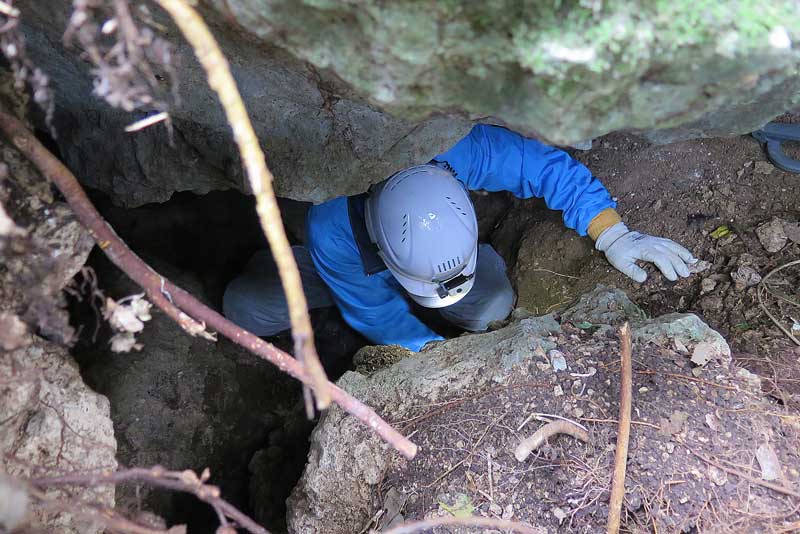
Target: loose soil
<point x="683" y="191"/>
<point x="693" y="445"/>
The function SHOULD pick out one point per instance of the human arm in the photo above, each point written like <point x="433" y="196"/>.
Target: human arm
<point x="496" y="159"/>
<point x="372" y="305"/>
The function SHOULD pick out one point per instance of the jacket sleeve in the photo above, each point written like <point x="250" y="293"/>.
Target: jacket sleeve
<point x="496" y="159"/>
<point x="369" y="304"/>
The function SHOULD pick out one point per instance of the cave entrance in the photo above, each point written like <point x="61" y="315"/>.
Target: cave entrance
<point x="183" y="402"/>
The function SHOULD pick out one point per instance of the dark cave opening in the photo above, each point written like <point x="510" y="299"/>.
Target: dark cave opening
<point x="162" y="397"/>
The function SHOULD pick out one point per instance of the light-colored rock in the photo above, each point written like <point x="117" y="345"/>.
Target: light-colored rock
<point x="53" y="424"/>
<point x="769" y="462"/>
<point x="772" y="236"/>
<point x="688" y="328"/>
<point x="745" y="276"/>
<point x="556" y="71"/>
<point x="603" y="305"/>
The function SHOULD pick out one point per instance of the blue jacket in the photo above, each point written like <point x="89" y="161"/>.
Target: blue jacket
<point x="489" y="158"/>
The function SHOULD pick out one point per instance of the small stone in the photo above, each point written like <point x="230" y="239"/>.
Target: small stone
<point x="495" y="508"/>
<point x="717" y="476"/>
<point x="684" y="499"/>
<point x="699" y="266"/>
<point x="707" y="285"/>
<point x="704" y="352"/>
<point x="712" y="422"/>
<point x="768" y="460"/>
<point x="558" y="391"/>
<point x="744" y="277"/>
<point x="508" y="512"/>
<point x="560" y="515"/>
<point x="680" y="347"/>
<point x="772" y="236"/>
<point x="792" y="231"/>
<point x="643" y="389"/>
<point x="558" y="361"/>
<point x="763" y="167"/>
<point x="712" y="303"/>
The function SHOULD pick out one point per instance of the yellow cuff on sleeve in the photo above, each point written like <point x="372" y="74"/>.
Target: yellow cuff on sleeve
<point x="603" y="220"/>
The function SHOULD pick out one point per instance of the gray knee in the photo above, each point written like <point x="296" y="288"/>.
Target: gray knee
<point x="242" y="306"/>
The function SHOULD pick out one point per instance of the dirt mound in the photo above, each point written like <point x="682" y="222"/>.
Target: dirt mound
<point x="703" y="441"/>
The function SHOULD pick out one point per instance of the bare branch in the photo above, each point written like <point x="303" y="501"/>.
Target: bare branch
<point x="624" y="434"/>
<point x="185" y="481"/>
<point x="157" y="287"/>
<point x="222" y="82"/>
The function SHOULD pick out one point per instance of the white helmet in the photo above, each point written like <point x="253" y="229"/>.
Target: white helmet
<point x="424" y="225"/>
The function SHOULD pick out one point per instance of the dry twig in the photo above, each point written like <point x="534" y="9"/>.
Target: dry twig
<point x="196" y="314"/>
<point x="621" y="456"/>
<point x="507" y="526"/>
<point x="764" y="287"/>
<point x="549" y="430"/>
<point x="185" y="481"/>
<point x="221" y="81"/>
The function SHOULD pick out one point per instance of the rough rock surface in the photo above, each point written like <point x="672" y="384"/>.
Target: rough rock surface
<point x="342" y="94"/>
<point x="52" y="424"/>
<point x="320" y="140"/>
<point x="186" y="403"/>
<point x="348" y="467"/>
<point x="582" y="69"/>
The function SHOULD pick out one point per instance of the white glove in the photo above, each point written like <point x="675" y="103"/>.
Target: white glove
<point x="623" y="247"/>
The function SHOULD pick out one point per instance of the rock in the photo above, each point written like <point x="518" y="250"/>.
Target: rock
<point x="792" y="231"/>
<point x="347" y="462"/>
<point x="685" y="327"/>
<point x="744" y="277"/>
<point x="184" y="402"/>
<point x="763" y="167"/>
<point x="557" y="360"/>
<point x="707" y="285"/>
<point x="704" y="352"/>
<point x="603" y="305"/>
<point x="345" y="94"/>
<point x="771" y="235"/>
<point x="54" y="424"/>
<point x="320" y="139"/>
<point x="552" y="70"/>
<point x="769" y="462"/>
<point x="699" y="266"/>
<point x="333" y="494"/>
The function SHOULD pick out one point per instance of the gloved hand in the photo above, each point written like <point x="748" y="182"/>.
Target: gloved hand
<point x="623" y="247"/>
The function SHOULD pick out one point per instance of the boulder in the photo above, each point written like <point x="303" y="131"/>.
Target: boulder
<point x="566" y="71"/>
<point x="320" y="139"/>
<point x="452" y="398"/>
<point x="54" y="424"/>
<point x="342" y="94"/>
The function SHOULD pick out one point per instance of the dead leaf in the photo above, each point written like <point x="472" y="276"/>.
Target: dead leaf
<point x="462" y="507"/>
<point x="673" y="425"/>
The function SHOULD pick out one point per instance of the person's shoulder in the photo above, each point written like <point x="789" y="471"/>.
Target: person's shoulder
<point x="328" y="227"/>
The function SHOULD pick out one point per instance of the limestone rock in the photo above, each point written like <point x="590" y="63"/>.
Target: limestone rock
<point x="320" y="140"/>
<point x="337" y="491"/>
<point x="556" y="71"/>
<point x="687" y="328"/>
<point x="603" y="305"/>
<point x="56" y="425"/>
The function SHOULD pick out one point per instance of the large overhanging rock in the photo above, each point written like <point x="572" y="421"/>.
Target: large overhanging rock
<point x="320" y="140"/>
<point x="672" y="69"/>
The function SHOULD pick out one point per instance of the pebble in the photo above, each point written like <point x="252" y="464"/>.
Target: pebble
<point x="744" y="277"/>
<point x="763" y="167"/>
<point x="771" y="235"/>
<point x="558" y="391"/>
<point x="707" y="285"/>
<point x="557" y="359"/>
<point x="699" y="266"/>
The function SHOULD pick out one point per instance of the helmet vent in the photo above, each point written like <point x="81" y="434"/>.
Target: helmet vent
<point x="405" y="227"/>
<point x="458" y="208"/>
<point x="449" y="264"/>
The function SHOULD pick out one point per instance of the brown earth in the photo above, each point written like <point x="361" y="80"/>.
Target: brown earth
<point x="692" y="443"/>
<point x="683" y="191"/>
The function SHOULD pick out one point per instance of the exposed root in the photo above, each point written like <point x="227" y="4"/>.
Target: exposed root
<point x="549" y="430"/>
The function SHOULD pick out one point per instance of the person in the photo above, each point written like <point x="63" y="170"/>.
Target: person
<point x="412" y="240"/>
